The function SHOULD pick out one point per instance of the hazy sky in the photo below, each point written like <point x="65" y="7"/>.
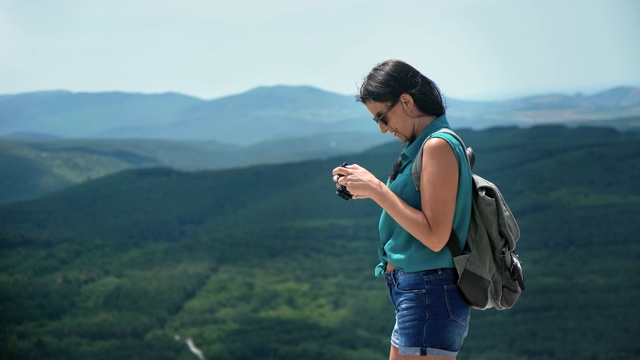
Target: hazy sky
<point x="483" y="49"/>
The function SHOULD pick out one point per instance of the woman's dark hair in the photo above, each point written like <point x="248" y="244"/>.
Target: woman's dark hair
<point x="388" y="80"/>
<point x="392" y="78"/>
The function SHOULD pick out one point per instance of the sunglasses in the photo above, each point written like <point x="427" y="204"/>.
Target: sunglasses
<point x="379" y="118"/>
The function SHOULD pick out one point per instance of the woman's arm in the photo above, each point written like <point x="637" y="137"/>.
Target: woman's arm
<point x="438" y="191"/>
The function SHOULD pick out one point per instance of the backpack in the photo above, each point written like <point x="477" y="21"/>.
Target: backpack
<point x="490" y="274"/>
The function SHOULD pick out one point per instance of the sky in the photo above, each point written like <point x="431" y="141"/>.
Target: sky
<point x="473" y="49"/>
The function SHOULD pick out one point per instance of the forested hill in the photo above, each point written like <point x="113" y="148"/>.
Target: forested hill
<point x="266" y="262"/>
<point x="33" y="167"/>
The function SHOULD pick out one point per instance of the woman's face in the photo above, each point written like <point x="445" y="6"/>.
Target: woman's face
<point x="390" y="118"/>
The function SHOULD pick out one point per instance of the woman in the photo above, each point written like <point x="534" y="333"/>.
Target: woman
<point x="432" y="317"/>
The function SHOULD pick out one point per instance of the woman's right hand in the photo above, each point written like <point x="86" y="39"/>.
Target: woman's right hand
<point x="361" y="183"/>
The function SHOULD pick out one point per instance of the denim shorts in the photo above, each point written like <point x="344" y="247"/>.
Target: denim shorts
<point x="432" y="317"/>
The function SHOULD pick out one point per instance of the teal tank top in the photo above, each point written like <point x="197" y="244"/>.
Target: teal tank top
<point x="398" y="246"/>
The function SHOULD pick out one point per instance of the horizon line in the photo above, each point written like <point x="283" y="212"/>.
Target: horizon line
<point x="517" y="95"/>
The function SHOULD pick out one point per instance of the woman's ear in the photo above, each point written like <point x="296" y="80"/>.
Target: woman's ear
<point x="407" y="101"/>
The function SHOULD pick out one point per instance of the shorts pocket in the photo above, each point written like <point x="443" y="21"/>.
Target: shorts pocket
<point x="459" y="310"/>
<point x="409" y="283"/>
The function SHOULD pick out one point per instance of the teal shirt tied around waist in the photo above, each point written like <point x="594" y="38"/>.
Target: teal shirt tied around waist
<point x="398" y="246"/>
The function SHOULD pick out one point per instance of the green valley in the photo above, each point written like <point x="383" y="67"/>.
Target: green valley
<point x="265" y="262"/>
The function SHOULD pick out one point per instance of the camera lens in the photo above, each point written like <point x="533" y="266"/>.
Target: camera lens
<point x="343" y="192"/>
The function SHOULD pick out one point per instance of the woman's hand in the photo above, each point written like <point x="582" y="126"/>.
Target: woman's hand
<point x="359" y="181"/>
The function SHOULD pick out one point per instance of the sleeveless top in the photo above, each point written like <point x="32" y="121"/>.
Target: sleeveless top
<point x="398" y="246"/>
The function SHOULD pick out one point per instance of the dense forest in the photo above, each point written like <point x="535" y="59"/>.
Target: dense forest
<point x="265" y="262"/>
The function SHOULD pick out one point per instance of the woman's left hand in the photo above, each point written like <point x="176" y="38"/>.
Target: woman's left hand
<point x="361" y="183"/>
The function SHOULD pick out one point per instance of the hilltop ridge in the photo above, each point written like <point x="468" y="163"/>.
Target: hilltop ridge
<point x="277" y="112"/>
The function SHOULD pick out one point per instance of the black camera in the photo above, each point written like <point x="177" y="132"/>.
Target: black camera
<point x="342" y="190"/>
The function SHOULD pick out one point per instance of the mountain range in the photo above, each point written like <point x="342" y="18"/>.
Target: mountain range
<point x="132" y="225"/>
<point x="278" y="112"/>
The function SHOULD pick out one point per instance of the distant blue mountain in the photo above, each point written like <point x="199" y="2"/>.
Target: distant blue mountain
<point x="270" y="113"/>
<point x="66" y="114"/>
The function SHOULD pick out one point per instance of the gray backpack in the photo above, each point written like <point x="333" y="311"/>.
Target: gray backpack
<point x="490" y="274"/>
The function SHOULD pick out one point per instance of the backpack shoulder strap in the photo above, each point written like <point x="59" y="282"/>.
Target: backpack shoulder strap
<point x="416" y="169"/>
<point x="471" y="158"/>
